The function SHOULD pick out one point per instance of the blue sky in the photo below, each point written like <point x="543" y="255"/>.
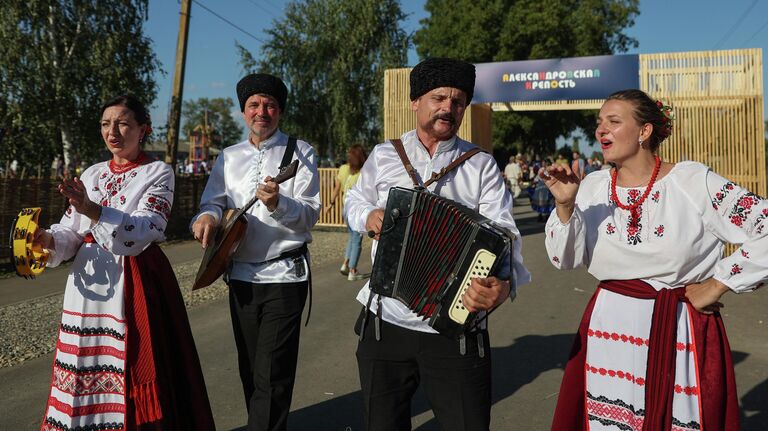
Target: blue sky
<point x="212" y="69"/>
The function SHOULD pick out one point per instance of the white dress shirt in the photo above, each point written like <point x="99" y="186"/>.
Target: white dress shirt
<point x="238" y="171"/>
<point x="476" y="183"/>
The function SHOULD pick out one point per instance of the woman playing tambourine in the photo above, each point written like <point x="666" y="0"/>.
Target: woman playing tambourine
<point x="125" y="358"/>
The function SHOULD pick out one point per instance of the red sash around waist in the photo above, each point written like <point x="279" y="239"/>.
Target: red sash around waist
<point x="717" y="384"/>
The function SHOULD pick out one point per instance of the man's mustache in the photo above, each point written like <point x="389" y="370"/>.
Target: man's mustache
<point x="260" y="118"/>
<point x="444" y="117"/>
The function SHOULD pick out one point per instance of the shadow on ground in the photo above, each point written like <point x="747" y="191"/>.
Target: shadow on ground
<point x="513" y="367"/>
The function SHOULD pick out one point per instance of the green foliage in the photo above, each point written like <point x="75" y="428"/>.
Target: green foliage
<point x="332" y="55"/>
<point x="511" y="30"/>
<point x="59" y="61"/>
<point x="217" y="114"/>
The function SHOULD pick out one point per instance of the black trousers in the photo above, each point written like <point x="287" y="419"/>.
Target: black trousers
<point x="266" y="319"/>
<point x="458" y="386"/>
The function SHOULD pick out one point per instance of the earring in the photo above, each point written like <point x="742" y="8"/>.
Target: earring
<point x="641" y="143"/>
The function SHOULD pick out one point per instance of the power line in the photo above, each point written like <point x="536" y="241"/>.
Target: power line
<point x="736" y="25"/>
<point x="759" y="30"/>
<point x="227" y="21"/>
<point x="263" y="8"/>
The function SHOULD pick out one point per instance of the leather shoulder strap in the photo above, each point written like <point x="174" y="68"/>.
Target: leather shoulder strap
<point x="398" y="144"/>
<point x="290" y="148"/>
<point x="461" y="159"/>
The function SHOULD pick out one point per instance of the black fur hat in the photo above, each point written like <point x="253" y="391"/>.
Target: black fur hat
<point x="262" y="83"/>
<point x="442" y="72"/>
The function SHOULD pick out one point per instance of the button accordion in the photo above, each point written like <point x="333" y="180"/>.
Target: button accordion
<point x="429" y="249"/>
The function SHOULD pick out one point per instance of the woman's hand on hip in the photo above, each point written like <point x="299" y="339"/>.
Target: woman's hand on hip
<point x="705" y="296"/>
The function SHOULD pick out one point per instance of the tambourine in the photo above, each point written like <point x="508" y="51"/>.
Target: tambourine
<point x="28" y="259"/>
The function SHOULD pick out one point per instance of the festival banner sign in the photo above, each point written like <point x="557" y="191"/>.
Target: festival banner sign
<point x="576" y="78"/>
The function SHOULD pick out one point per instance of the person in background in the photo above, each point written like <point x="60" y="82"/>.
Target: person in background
<point x="347" y="177"/>
<point x="513" y="175"/>
<point x="542" y="200"/>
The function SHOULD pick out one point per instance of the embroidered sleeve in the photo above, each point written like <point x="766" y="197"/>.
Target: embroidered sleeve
<point x="67" y="239"/>
<point x="130" y="233"/>
<point x="565" y="242"/>
<point x="69" y="232"/>
<point x="738" y="216"/>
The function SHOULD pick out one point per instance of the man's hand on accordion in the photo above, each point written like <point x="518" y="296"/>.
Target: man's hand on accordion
<point x="486" y="293"/>
<point x="373" y="223"/>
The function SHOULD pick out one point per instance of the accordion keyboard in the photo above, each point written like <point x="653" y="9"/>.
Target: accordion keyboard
<point x="480" y="268"/>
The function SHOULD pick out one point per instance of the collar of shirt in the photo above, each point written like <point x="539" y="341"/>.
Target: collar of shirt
<point x="442" y="146"/>
<point x="269" y="143"/>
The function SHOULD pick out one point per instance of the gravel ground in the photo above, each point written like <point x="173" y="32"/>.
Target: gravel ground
<point x="23" y="338"/>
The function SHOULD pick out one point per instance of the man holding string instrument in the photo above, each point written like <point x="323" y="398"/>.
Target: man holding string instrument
<point x="269" y="274"/>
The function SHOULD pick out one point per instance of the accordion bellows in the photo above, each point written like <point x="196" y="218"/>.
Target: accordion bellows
<point x="429" y="249"/>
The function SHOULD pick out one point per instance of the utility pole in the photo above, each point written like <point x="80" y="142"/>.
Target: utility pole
<point x="174" y="119"/>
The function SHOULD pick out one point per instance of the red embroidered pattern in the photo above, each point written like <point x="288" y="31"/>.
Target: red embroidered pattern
<point x="610" y="229"/>
<point x="114" y="185"/>
<point x="655" y="196"/>
<point x="158" y="204"/>
<point x="759" y="220"/>
<point x="736" y="269"/>
<point x="615" y="413"/>
<point x="624" y="416"/>
<point x="659" y="231"/>
<point x="637" y="341"/>
<point x="720" y="196"/>
<point x="745" y="254"/>
<point x="109" y="316"/>
<point x="71" y="349"/>
<point x="743" y="208"/>
<point x="555" y="259"/>
<point x="85" y="410"/>
<point x="640" y="381"/>
<point x="92" y="383"/>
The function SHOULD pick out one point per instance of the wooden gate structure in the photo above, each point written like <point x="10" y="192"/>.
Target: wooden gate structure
<point x="717" y="97"/>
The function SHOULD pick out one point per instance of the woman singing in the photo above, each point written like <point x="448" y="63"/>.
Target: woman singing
<point x="125" y="358"/>
<point x="651" y="352"/>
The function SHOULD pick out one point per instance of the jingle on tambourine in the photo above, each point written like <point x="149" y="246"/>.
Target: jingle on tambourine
<point x="28" y="258"/>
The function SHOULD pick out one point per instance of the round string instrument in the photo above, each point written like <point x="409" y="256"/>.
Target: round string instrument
<point x="29" y="259"/>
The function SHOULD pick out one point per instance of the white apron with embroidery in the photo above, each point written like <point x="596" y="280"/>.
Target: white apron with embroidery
<point x="88" y="383"/>
<point x="678" y="240"/>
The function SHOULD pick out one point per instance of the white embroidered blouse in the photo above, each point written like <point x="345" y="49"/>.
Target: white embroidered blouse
<point x="135" y="204"/>
<point x="679" y="239"/>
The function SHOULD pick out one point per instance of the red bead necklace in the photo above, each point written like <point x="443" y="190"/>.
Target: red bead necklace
<point x="634" y="205"/>
<point x="119" y="169"/>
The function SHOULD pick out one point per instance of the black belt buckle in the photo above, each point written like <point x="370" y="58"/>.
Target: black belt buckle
<point x="298" y="266"/>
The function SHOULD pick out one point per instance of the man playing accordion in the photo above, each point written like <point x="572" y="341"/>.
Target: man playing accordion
<point x="401" y="350"/>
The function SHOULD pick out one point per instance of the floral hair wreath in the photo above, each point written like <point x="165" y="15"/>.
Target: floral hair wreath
<point x="668" y="114"/>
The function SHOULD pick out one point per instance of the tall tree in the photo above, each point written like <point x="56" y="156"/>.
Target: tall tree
<point x="59" y="61"/>
<point x="332" y="54"/>
<point x="509" y="30"/>
<point x="217" y="114"/>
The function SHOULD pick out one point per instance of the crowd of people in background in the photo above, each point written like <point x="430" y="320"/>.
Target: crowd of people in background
<point x="522" y="177"/>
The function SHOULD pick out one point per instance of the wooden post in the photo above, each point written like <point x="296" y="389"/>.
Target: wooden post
<point x="174" y="118"/>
